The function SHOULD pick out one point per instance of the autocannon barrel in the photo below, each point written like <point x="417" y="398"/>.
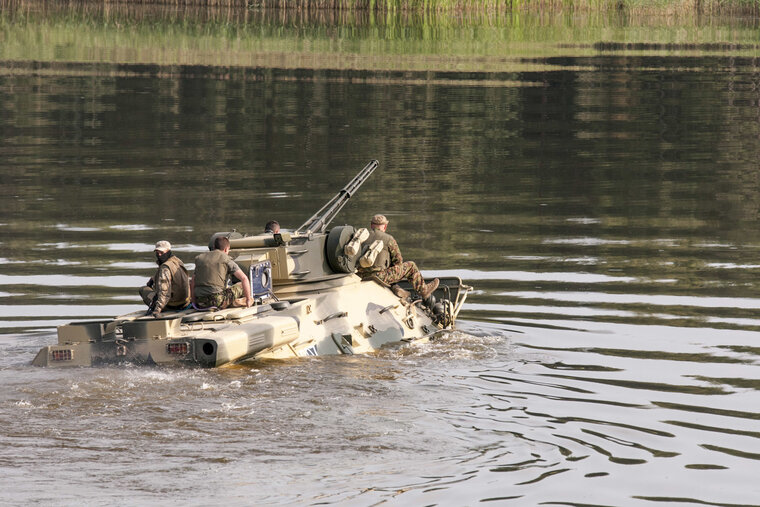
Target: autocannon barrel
<point x="322" y="218"/>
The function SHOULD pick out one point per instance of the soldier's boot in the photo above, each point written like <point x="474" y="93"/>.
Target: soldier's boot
<point x="429" y="288"/>
<point x="399" y="292"/>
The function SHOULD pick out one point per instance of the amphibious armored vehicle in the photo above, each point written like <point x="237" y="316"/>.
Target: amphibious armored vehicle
<point x="308" y="302"/>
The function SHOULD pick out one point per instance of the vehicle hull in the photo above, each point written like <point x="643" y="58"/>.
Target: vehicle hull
<point x="342" y="315"/>
<point x="308" y="301"/>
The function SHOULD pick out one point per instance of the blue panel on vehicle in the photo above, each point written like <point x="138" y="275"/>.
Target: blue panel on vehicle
<point x="260" y="275"/>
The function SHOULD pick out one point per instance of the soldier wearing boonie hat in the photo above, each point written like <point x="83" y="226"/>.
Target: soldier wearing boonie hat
<point x="169" y="288"/>
<point x="388" y="265"/>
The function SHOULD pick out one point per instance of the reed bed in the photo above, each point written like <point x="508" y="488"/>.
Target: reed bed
<point x="636" y="7"/>
<point x="168" y="36"/>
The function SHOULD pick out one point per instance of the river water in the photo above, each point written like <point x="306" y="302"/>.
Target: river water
<point x="595" y="179"/>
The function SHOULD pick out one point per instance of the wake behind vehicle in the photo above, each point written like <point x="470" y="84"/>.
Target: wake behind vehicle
<point x="308" y="302"/>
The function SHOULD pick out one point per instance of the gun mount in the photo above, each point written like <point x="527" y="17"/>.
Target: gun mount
<point x="322" y="218"/>
<point x="307" y="254"/>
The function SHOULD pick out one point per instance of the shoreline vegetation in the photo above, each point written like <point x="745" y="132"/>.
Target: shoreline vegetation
<point x="628" y="7"/>
<point x="96" y="37"/>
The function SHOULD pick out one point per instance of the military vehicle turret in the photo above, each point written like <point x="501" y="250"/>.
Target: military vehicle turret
<point x="308" y="302"/>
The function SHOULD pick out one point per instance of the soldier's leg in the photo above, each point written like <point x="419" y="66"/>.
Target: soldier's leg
<point x="412" y="273"/>
<point x="392" y="274"/>
<point x="209" y="301"/>
<point x="222" y="300"/>
<point x="147" y="294"/>
<point x="407" y="270"/>
<point x="234" y="295"/>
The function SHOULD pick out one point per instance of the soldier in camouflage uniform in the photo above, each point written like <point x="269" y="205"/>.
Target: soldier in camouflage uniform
<point x="168" y="288"/>
<point x="389" y="265"/>
<point x="209" y="283"/>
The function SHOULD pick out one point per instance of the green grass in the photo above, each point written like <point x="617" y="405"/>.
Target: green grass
<point x="445" y="6"/>
<point x="512" y="41"/>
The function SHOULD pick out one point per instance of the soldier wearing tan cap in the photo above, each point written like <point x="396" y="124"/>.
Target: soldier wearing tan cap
<point x="169" y="288"/>
<point x="389" y="266"/>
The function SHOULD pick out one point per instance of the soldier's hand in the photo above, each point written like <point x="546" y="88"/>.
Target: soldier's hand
<point x="248" y="302"/>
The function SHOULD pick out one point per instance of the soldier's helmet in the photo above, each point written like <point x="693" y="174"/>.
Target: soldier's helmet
<point x="379" y="220"/>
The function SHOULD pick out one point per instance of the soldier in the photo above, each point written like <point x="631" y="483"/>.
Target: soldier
<point x="272" y="227"/>
<point x="212" y="269"/>
<point x="168" y="288"/>
<point x="388" y="265"/>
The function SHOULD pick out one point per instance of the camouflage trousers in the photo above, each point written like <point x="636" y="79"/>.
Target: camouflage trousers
<point x="147" y="294"/>
<point x="221" y="300"/>
<point x="406" y="270"/>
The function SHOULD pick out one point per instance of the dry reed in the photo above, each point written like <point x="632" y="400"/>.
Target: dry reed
<point x="639" y="7"/>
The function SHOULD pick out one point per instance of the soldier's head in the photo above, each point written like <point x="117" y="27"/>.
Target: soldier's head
<point x="273" y="226"/>
<point x="163" y="251"/>
<point x="222" y="243"/>
<point x="379" y="222"/>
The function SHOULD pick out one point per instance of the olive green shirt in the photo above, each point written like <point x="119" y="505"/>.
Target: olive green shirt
<point x="212" y="269"/>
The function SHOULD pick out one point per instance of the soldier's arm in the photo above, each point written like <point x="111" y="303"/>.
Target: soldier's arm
<point x="395" y="252"/>
<point x="246" y="286"/>
<point x="163" y="288"/>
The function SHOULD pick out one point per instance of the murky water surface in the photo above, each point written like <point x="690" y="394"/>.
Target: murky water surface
<point x="596" y="180"/>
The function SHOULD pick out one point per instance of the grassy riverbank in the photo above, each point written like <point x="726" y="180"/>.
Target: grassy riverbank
<point x="131" y="33"/>
<point x="359" y="40"/>
<point x="637" y="7"/>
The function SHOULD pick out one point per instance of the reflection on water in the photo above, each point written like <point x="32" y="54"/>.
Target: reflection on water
<point x="600" y="195"/>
